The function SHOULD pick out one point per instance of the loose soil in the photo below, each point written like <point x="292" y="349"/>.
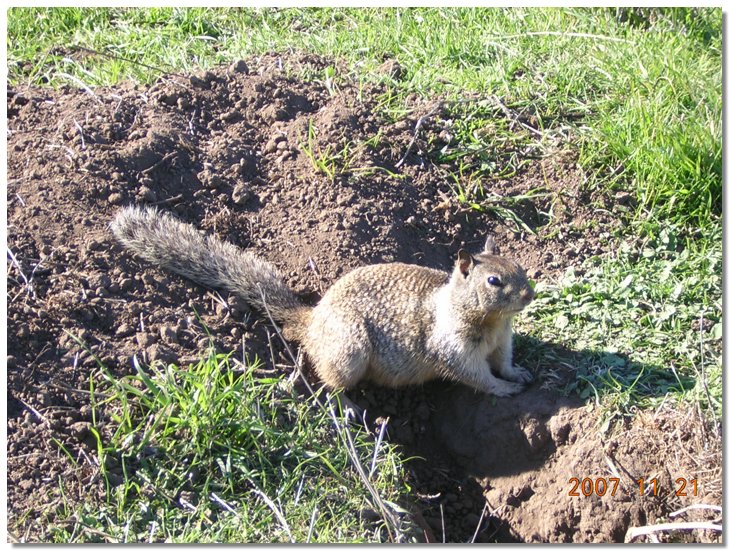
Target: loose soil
<point x="227" y="151"/>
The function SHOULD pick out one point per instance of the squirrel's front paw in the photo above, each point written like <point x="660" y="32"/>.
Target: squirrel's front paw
<point x="518" y="374"/>
<point x="502" y="388"/>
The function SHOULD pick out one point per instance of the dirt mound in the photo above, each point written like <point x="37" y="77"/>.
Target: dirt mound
<point x="309" y="174"/>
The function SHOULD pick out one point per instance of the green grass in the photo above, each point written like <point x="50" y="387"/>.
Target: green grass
<point x="636" y="321"/>
<point x="634" y="93"/>
<point x="213" y="453"/>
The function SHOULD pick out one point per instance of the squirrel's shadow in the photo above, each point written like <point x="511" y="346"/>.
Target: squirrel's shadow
<point x="458" y="437"/>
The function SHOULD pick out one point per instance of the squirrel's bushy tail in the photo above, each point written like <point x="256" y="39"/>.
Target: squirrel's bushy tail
<point x="171" y="244"/>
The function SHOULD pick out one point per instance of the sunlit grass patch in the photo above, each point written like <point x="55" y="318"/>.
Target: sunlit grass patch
<point x="215" y="453"/>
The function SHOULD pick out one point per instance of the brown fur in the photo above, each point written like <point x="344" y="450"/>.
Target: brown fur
<point x="394" y="324"/>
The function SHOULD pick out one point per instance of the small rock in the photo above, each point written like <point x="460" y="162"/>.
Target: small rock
<point x="158" y="352"/>
<point x="241" y="194"/>
<point x="239" y="66"/>
<point x="183" y="103"/>
<point x="624" y="198"/>
<point x="124" y="330"/>
<point x="196" y="81"/>
<point x="221" y="309"/>
<point x="392" y="68"/>
<point x="168" y="334"/>
<point x="79" y="430"/>
<point x="94" y="244"/>
<point x="536" y="434"/>
<point x="270" y="147"/>
<point x="99" y="280"/>
<point x="273" y="114"/>
<point x="45" y="251"/>
<point x="26" y="484"/>
<point x="36" y="461"/>
<point x="45" y="398"/>
<point x="169" y="99"/>
<point x="146" y="194"/>
<point x="145" y="339"/>
<point x="231" y="116"/>
<point x="125" y="284"/>
<point x="246" y="162"/>
<point x="116" y="198"/>
<point x="559" y="427"/>
<point x="210" y="179"/>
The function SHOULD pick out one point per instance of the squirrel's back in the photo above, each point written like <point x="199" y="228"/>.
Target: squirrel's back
<point x="375" y="323"/>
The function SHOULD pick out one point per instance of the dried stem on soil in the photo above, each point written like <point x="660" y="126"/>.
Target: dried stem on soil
<point x="418" y="124"/>
<point x="277" y="512"/>
<point x="635" y="532"/>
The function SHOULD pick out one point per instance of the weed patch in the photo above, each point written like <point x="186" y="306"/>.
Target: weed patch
<point x="654" y="313"/>
<point x="216" y="453"/>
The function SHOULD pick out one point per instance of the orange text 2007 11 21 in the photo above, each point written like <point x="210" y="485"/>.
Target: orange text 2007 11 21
<point x="603" y="486"/>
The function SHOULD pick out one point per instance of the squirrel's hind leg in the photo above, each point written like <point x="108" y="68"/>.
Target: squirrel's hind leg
<point x="341" y="353"/>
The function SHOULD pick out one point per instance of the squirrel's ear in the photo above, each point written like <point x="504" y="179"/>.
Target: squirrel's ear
<point x="464" y="263"/>
<point x="491" y="247"/>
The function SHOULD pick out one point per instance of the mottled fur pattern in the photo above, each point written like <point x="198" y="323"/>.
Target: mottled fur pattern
<point x="179" y="247"/>
<point x="395" y="324"/>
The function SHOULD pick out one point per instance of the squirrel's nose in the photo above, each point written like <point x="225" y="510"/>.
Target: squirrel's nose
<point x="527" y="295"/>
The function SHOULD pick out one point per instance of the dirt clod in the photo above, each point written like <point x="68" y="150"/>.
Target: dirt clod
<point x="239" y="66"/>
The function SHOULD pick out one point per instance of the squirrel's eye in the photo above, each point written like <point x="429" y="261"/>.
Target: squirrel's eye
<point x="494" y="280"/>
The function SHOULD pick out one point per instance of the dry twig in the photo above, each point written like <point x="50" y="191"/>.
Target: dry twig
<point x="697" y="506"/>
<point x="635" y="532"/>
<point x="279" y="515"/>
<point x="418" y="124"/>
<point x="160" y="162"/>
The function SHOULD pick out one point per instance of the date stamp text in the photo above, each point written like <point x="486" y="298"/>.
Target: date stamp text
<point x="602" y="486"/>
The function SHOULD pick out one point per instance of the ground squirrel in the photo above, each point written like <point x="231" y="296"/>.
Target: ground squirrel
<point x="394" y="324"/>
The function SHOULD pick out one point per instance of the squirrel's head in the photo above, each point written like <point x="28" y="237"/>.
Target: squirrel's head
<point x="491" y="283"/>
